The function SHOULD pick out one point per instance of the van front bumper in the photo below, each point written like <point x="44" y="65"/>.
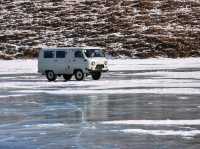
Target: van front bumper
<point x="104" y="70"/>
<point x="98" y="70"/>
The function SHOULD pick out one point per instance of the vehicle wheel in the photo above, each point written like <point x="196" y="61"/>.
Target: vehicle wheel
<point x="67" y="77"/>
<point x="51" y="76"/>
<point x="96" y="75"/>
<point x="79" y="75"/>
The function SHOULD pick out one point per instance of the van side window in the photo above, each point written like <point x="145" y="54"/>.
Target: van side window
<point x="78" y="54"/>
<point x="48" y="54"/>
<point x="60" y="54"/>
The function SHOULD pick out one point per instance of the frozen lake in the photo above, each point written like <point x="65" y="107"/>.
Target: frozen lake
<point x="139" y="104"/>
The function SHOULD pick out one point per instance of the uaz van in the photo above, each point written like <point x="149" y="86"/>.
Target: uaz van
<point x="69" y="61"/>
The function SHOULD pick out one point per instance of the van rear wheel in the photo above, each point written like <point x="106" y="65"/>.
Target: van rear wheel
<point x="79" y="75"/>
<point x="67" y="77"/>
<point x="96" y="75"/>
<point x="51" y="76"/>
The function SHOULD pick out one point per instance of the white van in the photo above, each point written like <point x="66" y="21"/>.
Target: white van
<point x="69" y="61"/>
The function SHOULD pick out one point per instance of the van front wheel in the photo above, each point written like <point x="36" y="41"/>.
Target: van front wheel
<point x="96" y="75"/>
<point x="51" y="76"/>
<point x="79" y="75"/>
<point x="67" y="77"/>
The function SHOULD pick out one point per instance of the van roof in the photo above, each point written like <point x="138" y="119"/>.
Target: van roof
<point x="68" y="48"/>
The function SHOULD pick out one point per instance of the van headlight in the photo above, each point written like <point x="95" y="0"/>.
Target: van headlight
<point x="93" y="63"/>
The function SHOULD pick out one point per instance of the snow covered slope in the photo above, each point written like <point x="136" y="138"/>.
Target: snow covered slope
<point x="142" y="28"/>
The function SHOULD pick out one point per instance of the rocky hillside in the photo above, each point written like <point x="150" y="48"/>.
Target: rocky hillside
<point x="142" y="28"/>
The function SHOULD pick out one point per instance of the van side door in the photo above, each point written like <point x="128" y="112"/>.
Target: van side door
<point x="61" y="62"/>
<point x="47" y="60"/>
<point x="79" y="61"/>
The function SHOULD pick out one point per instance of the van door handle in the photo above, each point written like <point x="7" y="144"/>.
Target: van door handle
<point x="55" y="60"/>
<point x="74" y="60"/>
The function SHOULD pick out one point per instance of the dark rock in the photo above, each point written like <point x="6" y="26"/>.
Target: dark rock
<point x="31" y="53"/>
<point x="19" y="55"/>
<point x="5" y="56"/>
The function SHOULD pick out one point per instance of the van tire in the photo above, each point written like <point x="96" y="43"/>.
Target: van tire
<point x="96" y="75"/>
<point x="79" y="75"/>
<point x="67" y="77"/>
<point x="51" y="76"/>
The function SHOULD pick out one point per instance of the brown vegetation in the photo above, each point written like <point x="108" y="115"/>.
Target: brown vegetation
<point x="142" y="28"/>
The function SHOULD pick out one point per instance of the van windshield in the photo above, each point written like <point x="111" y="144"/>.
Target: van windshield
<point x="94" y="53"/>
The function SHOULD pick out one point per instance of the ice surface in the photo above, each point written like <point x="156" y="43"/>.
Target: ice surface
<point x="138" y="98"/>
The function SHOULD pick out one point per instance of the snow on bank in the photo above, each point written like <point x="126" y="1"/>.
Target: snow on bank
<point x="153" y="64"/>
<point x="30" y="66"/>
<point x="18" y="66"/>
<point x="158" y="76"/>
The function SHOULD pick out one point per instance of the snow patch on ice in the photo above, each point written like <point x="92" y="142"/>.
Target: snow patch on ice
<point x="45" y="125"/>
<point x="9" y="96"/>
<point x="181" y="133"/>
<point x="155" y="122"/>
<point x="183" y="98"/>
